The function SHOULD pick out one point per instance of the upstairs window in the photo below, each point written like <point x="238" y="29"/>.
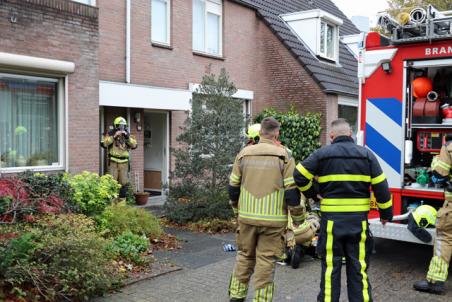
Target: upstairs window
<point x="160" y="21"/>
<point x="327" y="40"/>
<point x="318" y="30"/>
<point x="207" y="26"/>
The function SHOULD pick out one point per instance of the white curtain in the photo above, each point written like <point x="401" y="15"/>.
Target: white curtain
<point x="213" y="34"/>
<point x="159" y="21"/>
<point x="28" y="122"/>
<point x="199" y="25"/>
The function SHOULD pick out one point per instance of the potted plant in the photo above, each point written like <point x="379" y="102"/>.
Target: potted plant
<point x="141" y="197"/>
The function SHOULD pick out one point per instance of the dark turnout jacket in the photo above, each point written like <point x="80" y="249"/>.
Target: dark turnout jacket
<point x="346" y="173"/>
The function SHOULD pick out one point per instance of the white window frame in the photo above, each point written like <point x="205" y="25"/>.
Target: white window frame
<point x="325" y="38"/>
<point x="211" y="7"/>
<point x="87" y="2"/>
<point x="168" y="24"/>
<point x="62" y="124"/>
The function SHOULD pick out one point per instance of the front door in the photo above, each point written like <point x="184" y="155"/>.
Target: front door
<point x="155" y="151"/>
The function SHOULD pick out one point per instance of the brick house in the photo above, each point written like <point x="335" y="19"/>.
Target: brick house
<point x="49" y="82"/>
<point x="152" y="54"/>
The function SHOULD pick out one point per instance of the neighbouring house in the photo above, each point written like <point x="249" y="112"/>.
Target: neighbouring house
<point x="49" y="83"/>
<point x="143" y="59"/>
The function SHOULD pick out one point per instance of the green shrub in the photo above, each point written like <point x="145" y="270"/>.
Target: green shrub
<point x="93" y="193"/>
<point x="130" y="247"/>
<point x="300" y="133"/>
<point x="119" y="218"/>
<point x="186" y="204"/>
<point x="61" y="258"/>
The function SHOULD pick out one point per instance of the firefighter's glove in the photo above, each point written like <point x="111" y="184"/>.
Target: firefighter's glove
<point x="234" y="206"/>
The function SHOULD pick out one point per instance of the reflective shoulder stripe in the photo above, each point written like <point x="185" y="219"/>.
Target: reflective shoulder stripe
<point x="289" y="181"/>
<point x="385" y="205"/>
<point x="378" y="179"/>
<point x="304" y="172"/>
<point x="305" y="188"/>
<point x="344" y="177"/>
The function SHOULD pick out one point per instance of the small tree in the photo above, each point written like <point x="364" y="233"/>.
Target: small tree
<point x="212" y="134"/>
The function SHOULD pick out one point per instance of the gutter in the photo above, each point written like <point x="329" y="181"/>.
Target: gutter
<point x="128" y="41"/>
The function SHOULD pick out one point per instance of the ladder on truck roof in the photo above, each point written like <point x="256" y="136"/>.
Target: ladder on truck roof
<point x="418" y="26"/>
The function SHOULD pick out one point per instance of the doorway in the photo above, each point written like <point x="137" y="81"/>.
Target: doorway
<point x="156" y="145"/>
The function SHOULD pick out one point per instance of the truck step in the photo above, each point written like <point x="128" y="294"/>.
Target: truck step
<point x="396" y="231"/>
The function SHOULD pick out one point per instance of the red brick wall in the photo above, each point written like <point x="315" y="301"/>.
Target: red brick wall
<point x="65" y="31"/>
<point x="254" y="57"/>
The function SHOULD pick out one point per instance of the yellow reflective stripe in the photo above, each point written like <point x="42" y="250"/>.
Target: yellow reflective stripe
<point x="289" y="181"/>
<point x="363" y="208"/>
<point x="378" y="179"/>
<point x="385" y="205"/>
<point x="345" y="201"/>
<point x="304" y="172"/>
<point x="267" y="208"/>
<point x="329" y="260"/>
<point x="305" y="188"/>
<point x="362" y="261"/>
<point x="234" y="179"/>
<point x="344" y="177"/>
<point x="442" y="164"/>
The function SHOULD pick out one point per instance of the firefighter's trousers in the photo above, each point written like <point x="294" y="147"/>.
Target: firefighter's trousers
<point x="442" y="250"/>
<point x="344" y="235"/>
<point x="119" y="172"/>
<point x="258" y="248"/>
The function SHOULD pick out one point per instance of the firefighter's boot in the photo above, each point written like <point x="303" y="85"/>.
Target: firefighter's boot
<point x="426" y="286"/>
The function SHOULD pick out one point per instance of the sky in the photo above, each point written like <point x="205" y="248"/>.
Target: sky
<point x="367" y="8"/>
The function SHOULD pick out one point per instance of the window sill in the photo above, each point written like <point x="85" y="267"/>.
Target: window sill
<point x="31" y="168"/>
<point x="161" y="45"/>
<point x="208" y="55"/>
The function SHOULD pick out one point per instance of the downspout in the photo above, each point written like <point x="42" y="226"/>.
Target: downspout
<point x="128" y="41"/>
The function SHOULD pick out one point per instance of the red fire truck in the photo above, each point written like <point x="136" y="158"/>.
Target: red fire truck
<point x="406" y="108"/>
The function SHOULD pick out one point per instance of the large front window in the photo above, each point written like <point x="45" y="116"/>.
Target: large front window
<point x="207" y="26"/>
<point x="29" y="117"/>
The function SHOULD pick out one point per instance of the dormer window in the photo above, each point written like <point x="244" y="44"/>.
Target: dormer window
<point x="318" y="30"/>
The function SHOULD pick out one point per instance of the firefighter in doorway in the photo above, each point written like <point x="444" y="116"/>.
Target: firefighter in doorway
<point x="119" y="142"/>
<point x="442" y="251"/>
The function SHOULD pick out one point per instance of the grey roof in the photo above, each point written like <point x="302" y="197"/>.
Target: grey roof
<point x="337" y="79"/>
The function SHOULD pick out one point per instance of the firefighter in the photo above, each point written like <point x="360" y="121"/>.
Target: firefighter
<point x="345" y="172"/>
<point x="253" y="134"/>
<point x="119" y="142"/>
<point x="261" y="185"/>
<point x="439" y="265"/>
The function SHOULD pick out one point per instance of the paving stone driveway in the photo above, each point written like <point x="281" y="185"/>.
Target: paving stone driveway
<point x="206" y="272"/>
